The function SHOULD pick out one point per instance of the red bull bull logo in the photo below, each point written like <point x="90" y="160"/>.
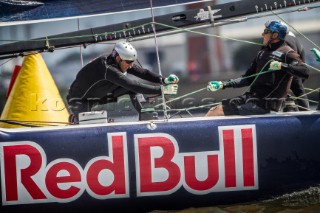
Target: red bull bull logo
<point x="160" y="168"/>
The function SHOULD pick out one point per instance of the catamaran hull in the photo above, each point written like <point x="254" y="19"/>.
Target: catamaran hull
<point x="143" y="166"/>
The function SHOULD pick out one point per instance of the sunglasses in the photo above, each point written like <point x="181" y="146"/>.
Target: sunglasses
<point x="128" y="62"/>
<point x="266" y="31"/>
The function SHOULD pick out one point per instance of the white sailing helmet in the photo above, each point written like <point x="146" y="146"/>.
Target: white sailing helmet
<point x="125" y="50"/>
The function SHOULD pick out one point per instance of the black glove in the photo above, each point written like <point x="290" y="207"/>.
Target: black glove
<point x="229" y="83"/>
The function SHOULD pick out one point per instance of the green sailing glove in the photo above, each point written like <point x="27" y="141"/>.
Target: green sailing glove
<point x="171" y="79"/>
<point x="275" y="65"/>
<point x="214" y="86"/>
<point x="316" y="53"/>
<point x="170" y="89"/>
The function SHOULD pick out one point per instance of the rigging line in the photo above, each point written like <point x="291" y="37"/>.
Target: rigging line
<point x="195" y="107"/>
<point x="159" y="65"/>
<point x="305" y="99"/>
<point x="225" y="38"/>
<point x="306" y="109"/>
<point x="128" y="29"/>
<point x="190" y="108"/>
<point x="178" y="98"/>
<point x="259" y="74"/>
<point x="308" y="93"/>
<point x="296" y="30"/>
<point x="6" y="62"/>
<point x="316" y="69"/>
<point x="18" y="123"/>
<point x="79" y="36"/>
<point x="81" y="55"/>
<point x="304" y="9"/>
<point x="206" y="34"/>
<point x="133" y="28"/>
<point x="191" y="93"/>
<point x="311" y="89"/>
<point x="43" y="122"/>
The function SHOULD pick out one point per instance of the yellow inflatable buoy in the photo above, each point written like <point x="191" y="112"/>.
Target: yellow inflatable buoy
<point x="34" y="98"/>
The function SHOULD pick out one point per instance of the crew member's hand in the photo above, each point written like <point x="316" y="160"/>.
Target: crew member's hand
<point x="316" y="53"/>
<point x="214" y="86"/>
<point x="275" y="65"/>
<point x="170" y="89"/>
<point x="171" y="79"/>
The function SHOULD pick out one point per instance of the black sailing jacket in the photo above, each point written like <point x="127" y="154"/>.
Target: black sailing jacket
<point x="100" y="78"/>
<point x="272" y="86"/>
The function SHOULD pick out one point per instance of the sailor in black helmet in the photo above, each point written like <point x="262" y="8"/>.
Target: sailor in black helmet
<point x="105" y="78"/>
<point x="277" y="63"/>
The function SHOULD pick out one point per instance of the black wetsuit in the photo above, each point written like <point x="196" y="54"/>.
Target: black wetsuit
<point x="297" y="87"/>
<point x="101" y="81"/>
<point x="267" y="90"/>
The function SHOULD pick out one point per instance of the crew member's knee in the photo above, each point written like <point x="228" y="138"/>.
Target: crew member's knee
<point x="215" y="111"/>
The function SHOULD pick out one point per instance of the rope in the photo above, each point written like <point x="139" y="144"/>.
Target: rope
<point x="206" y="34"/>
<point x="244" y="42"/>
<point x="6" y="62"/>
<point x="33" y="123"/>
<point x="190" y="108"/>
<point x="191" y="93"/>
<point x="153" y="23"/>
<point x="260" y="72"/>
<point x="308" y="93"/>
<point x="312" y="67"/>
<point x="172" y="27"/>
<point x="158" y="60"/>
<point x="1" y="72"/>
<point x="178" y="98"/>
<point x="129" y="29"/>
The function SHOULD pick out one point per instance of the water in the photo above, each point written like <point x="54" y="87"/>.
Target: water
<point x="306" y="201"/>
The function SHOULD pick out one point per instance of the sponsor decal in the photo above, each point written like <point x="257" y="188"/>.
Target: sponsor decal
<point x="277" y="54"/>
<point x="161" y="169"/>
<point x="203" y="15"/>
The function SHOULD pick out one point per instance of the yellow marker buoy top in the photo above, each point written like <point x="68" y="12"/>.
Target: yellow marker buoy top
<point x="34" y="98"/>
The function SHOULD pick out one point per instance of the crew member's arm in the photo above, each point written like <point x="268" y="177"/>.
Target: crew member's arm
<point x="115" y="76"/>
<point x="145" y="74"/>
<point x="294" y="66"/>
<point x="151" y="76"/>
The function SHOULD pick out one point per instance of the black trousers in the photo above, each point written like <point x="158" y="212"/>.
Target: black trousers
<point x="246" y="104"/>
<point x="297" y="89"/>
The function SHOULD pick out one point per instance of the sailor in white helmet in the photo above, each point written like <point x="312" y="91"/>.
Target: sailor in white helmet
<point x="106" y="78"/>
